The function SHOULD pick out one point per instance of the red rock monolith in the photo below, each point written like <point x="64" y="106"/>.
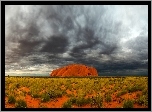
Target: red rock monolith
<point x="76" y="70"/>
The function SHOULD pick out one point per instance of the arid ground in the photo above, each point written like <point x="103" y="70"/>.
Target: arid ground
<point x="102" y="92"/>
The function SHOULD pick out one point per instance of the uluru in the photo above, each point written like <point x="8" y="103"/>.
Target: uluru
<point x="74" y="70"/>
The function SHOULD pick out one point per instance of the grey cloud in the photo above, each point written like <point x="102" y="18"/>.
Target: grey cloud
<point x="139" y="47"/>
<point x="55" y="44"/>
<point x="77" y="31"/>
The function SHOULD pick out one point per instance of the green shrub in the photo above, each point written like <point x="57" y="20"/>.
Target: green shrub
<point x="142" y="100"/>
<point x="11" y="99"/>
<point x="128" y="104"/>
<point x="145" y="92"/>
<point x="45" y="97"/>
<point x="67" y="104"/>
<point x="81" y="101"/>
<point x="108" y="98"/>
<point x="70" y="95"/>
<point x="121" y="93"/>
<point x="35" y="95"/>
<point x="97" y="101"/>
<point x="20" y="104"/>
<point x="73" y="100"/>
<point x="135" y="88"/>
<point x="56" y="93"/>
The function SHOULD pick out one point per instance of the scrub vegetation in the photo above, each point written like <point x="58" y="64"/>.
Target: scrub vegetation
<point x="89" y="92"/>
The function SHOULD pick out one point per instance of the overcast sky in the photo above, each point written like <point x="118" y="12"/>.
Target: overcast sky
<point x="110" y="38"/>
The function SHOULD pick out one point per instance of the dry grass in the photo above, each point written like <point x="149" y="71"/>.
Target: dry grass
<point x="77" y="92"/>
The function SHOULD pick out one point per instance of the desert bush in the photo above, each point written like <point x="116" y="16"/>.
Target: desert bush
<point x="73" y="100"/>
<point x="128" y="104"/>
<point x="145" y="91"/>
<point x="20" y="104"/>
<point x="56" y="93"/>
<point x="70" y="95"/>
<point x="45" y="97"/>
<point x="67" y="104"/>
<point x="84" y="86"/>
<point x="96" y="101"/>
<point x="121" y="93"/>
<point x="142" y="100"/>
<point x="81" y="93"/>
<point x="35" y="95"/>
<point x="108" y="98"/>
<point x="135" y="88"/>
<point x="11" y="99"/>
<point x="81" y="101"/>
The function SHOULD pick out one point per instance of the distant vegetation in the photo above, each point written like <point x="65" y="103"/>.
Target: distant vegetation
<point x="90" y="92"/>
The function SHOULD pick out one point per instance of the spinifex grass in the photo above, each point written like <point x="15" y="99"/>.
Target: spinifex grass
<point x="91" y="91"/>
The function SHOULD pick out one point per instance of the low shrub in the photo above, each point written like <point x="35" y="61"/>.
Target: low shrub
<point x="96" y="101"/>
<point x="20" y="104"/>
<point x="145" y="92"/>
<point x="35" y="95"/>
<point x="108" y="98"/>
<point x="128" y="104"/>
<point x="73" y="100"/>
<point x="121" y="93"/>
<point x="142" y="100"/>
<point x="135" y="88"/>
<point x="81" y="101"/>
<point x="11" y="99"/>
<point x="56" y="93"/>
<point x="45" y="97"/>
<point x="67" y="104"/>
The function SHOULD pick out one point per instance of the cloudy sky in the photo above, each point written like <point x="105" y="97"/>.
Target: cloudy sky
<point x="113" y="39"/>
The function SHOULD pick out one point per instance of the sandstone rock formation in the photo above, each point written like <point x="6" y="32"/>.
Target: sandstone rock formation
<point x="76" y="70"/>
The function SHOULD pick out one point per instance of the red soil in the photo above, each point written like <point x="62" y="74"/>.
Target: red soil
<point x="131" y="95"/>
<point x="32" y="102"/>
<point x="57" y="103"/>
<point x="117" y="102"/>
<point x="84" y="106"/>
<point x="75" y="70"/>
<point x="113" y="104"/>
<point x="7" y="105"/>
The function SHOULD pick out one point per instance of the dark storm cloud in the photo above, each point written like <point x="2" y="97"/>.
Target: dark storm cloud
<point x="139" y="47"/>
<point x="87" y="42"/>
<point x="55" y="44"/>
<point x="93" y="35"/>
<point x="26" y="47"/>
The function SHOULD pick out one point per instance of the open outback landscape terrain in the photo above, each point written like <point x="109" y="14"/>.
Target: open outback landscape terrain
<point x="89" y="92"/>
<point x="77" y="56"/>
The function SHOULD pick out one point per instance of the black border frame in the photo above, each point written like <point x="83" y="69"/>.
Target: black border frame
<point x="3" y="3"/>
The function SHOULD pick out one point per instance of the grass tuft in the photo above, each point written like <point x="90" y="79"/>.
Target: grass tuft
<point x="20" y="104"/>
<point x="128" y="104"/>
<point x="45" y="97"/>
<point x="67" y="104"/>
<point x="11" y="99"/>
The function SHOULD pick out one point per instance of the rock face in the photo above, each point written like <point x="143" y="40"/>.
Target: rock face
<point x="76" y="70"/>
